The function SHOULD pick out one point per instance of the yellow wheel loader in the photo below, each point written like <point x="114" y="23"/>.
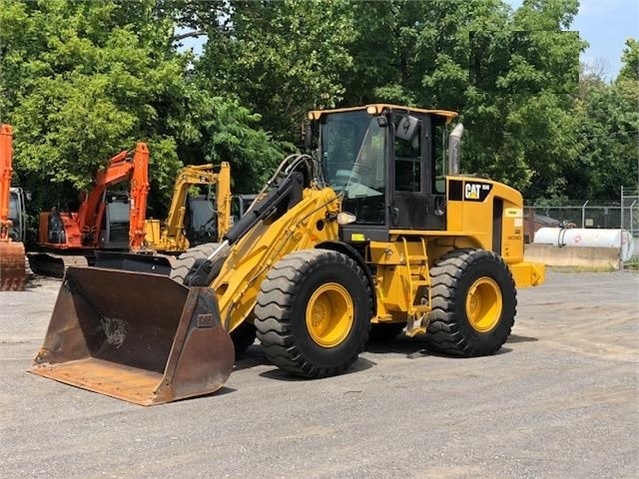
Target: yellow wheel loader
<point x="377" y="229"/>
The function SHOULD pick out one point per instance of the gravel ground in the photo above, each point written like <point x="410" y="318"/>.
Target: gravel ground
<point x="560" y="400"/>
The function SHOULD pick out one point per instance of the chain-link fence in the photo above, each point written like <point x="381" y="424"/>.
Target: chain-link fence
<point x="630" y="210"/>
<point x="583" y="216"/>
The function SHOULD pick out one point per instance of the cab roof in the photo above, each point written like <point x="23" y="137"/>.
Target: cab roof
<point x="377" y="108"/>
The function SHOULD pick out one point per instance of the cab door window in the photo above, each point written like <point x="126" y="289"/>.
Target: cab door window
<point x="408" y="159"/>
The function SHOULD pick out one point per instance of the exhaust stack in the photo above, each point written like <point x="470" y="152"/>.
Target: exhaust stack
<point x="454" y="141"/>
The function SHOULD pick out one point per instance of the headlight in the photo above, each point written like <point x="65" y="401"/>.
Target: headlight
<point x="346" y="218"/>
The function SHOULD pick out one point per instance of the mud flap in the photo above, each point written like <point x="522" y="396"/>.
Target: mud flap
<point x="12" y="266"/>
<point x="139" y="337"/>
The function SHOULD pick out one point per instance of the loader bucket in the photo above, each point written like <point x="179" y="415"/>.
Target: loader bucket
<point x="12" y="266"/>
<point x="139" y="337"/>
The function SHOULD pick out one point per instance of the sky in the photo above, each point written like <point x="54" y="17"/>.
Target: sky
<point x="605" y="25"/>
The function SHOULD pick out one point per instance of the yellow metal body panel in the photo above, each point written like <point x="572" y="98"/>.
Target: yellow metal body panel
<point x="528" y="274"/>
<point x="308" y="223"/>
<point x="474" y="219"/>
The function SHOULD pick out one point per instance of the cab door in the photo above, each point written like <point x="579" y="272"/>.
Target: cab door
<point x="415" y="205"/>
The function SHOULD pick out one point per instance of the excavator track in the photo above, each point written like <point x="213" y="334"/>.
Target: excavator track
<point x="56" y="265"/>
<point x="12" y="266"/>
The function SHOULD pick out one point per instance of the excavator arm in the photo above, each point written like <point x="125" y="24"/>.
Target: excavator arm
<point x="172" y="236"/>
<point x="6" y="170"/>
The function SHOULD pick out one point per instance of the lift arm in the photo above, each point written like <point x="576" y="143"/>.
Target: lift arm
<point x="6" y="170"/>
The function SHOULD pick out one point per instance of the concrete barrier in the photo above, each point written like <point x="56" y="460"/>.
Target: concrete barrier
<point x="572" y="256"/>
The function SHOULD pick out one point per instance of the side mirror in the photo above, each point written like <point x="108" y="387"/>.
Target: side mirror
<point x="406" y="128"/>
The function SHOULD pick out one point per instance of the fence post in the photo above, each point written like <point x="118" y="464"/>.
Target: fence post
<point x="583" y="214"/>
<point x="622" y="208"/>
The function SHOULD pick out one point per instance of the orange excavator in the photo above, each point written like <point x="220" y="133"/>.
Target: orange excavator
<point x="105" y="220"/>
<point x="12" y="258"/>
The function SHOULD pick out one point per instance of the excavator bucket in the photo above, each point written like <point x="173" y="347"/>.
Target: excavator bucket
<point x="139" y="337"/>
<point x="12" y="266"/>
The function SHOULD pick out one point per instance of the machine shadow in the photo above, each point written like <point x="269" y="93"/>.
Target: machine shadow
<point x="412" y="348"/>
<point x="417" y="347"/>
<point x="362" y="364"/>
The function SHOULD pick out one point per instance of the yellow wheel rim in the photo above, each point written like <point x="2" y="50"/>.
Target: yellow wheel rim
<point x="484" y="304"/>
<point x="329" y="315"/>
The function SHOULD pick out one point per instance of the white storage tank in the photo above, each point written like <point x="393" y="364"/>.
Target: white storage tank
<point x="596" y="238"/>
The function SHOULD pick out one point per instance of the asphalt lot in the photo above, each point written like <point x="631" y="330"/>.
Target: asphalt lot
<point x="561" y="400"/>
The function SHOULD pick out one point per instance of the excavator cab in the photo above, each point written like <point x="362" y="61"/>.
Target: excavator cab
<point x="201" y="219"/>
<point x="116" y="222"/>
<point x="17" y="208"/>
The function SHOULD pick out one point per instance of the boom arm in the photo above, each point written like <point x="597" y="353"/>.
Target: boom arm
<point x="139" y="195"/>
<point x="6" y="170"/>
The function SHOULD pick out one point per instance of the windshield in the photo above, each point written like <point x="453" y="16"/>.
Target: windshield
<point x="13" y="207"/>
<point x="353" y="148"/>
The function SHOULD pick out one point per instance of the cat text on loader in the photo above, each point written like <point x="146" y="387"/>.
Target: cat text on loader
<point x="12" y="256"/>
<point x="376" y="230"/>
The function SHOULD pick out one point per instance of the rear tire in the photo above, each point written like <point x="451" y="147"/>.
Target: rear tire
<point x="313" y="313"/>
<point x="244" y="335"/>
<point x="474" y="303"/>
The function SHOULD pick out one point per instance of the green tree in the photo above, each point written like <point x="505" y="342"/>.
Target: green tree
<point x="280" y="58"/>
<point x="630" y="61"/>
<point x="608" y="119"/>
<point x="80" y="82"/>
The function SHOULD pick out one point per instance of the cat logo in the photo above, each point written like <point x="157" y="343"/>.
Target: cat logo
<point x="476" y="191"/>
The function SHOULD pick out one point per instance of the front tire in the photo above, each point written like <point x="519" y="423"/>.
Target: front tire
<point x="474" y="303"/>
<point x="313" y="313"/>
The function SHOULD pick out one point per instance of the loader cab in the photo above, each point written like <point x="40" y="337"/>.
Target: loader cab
<point x="389" y="164"/>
